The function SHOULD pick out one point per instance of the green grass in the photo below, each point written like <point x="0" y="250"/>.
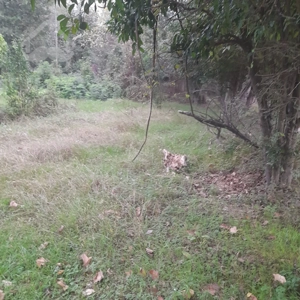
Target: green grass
<point x="75" y="170"/>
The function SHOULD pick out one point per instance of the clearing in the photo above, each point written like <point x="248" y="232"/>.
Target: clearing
<point x="68" y="187"/>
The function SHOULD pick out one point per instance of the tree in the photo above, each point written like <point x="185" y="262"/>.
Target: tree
<point x="266" y="31"/>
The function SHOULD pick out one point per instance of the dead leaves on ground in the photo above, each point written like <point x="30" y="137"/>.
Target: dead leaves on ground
<point x="88" y="292"/>
<point x="232" y="230"/>
<point x="61" y="283"/>
<point x="85" y="259"/>
<point x="2" y="295"/>
<point x="279" y="278"/>
<point x="41" y="262"/>
<point x="13" y="204"/>
<point x="99" y="276"/>
<point x="154" y="274"/>
<point x="250" y="296"/>
<point x="212" y="289"/>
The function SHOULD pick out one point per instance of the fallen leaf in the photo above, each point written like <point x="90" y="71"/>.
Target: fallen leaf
<point x="271" y="237"/>
<point x="149" y="251"/>
<point x="13" y="204"/>
<point x="60" y="272"/>
<point x="41" y="261"/>
<point x="277" y="215"/>
<point x="233" y="230"/>
<point x="85" y="259"/>
<point x="191" y="232"/>
<point x="138" y="211"/>
<point x="224" y="226"/>
<point x="88" y="292"/>
<point x="2" y="295"/>
<point x="240" y="259"/>
<point x="160" y="298"/>
<point x="153" y="290"/>
<point x="265" y="223"/>
<point x="154" y="274"/>
<point x="99" y="276"/>
<point x="143" y="272"/>
<point x="58" y="264"/>
<point x="279" y="278"/>
<point x="62" y="284"/>
<point x="213" y="289"/>
<point x="6" y="283"/>
<point x="186" y="254"/>
<point x="128" y="273"/>
<point x="149" y="231"/>
<point x="188" y="294"/>
<point x="250" y="296"/>
<point x="43" y="246"/>
<point x="61" y="228"/>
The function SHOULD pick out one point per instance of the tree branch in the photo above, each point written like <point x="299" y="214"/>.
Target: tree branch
<point x="218" y="124"/>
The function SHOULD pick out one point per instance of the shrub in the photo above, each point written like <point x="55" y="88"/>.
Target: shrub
<point x="68" y="87"/>
<point x="43" y="72"/>
<point x="104" y="90"/>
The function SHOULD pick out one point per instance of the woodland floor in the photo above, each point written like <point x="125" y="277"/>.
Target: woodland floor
<point x="68" y="187"/>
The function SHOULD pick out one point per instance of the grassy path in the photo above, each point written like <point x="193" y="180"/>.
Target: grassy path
<point x="77" y="190"/>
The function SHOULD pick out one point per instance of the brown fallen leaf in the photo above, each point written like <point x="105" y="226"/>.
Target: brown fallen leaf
<point x="265" y="223"/>
<point x="150" y="252"/>
<point x="233" y="230"/>
<point x="143" y="272"/>
<point x="191" y="232"/>
<point x="128" y="273"/>
<point x="213" y="289"/>
<point x="154" y="274"/>
<point x="62" y="285"/>
<point x="99" y="276"/>
<point x="271" y="237"/>
<point x="279" y="278"/>
<point x="224" y="226"/>
<point x="160" y="298"/>
<point x="13" y="204"/>
<point x="153" y="290"/>
<point x="277" y="215"/>
<point x="187" y="295"/>
<point x="60" y="272"/>
<point x="2" y="295"/>
<point x="250" y="296"/>
<point x="85" y="259"/>
<point x="138" y="211"/>
<point x="43" y="246"/>
<point x="88" y="292"/>
<point x="61" y="228"/>
<point x="41" y="262"/>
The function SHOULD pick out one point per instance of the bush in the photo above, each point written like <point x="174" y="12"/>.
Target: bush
<point x="43" y="72"/>
<point x="68" y="87"/>
<point x="104" y="90"/>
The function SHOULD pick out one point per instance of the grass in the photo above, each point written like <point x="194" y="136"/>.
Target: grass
<point x="75" y="170"/>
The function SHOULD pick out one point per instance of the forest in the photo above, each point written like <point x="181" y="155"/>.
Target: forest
<point x="149" y="149"/>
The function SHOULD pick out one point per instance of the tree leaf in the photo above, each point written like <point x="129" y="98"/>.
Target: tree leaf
<point x="88" y="292"/>
<point x="212" y="289"/>
<point x="13" y="204"/>
<point x="154" y="274"/>
<point x="99" y="276"/>
<point x="85" y="259"/>
<point x="279" y="278"/>
<point x="41" y="262"/>
<point x="62" y="284"/>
